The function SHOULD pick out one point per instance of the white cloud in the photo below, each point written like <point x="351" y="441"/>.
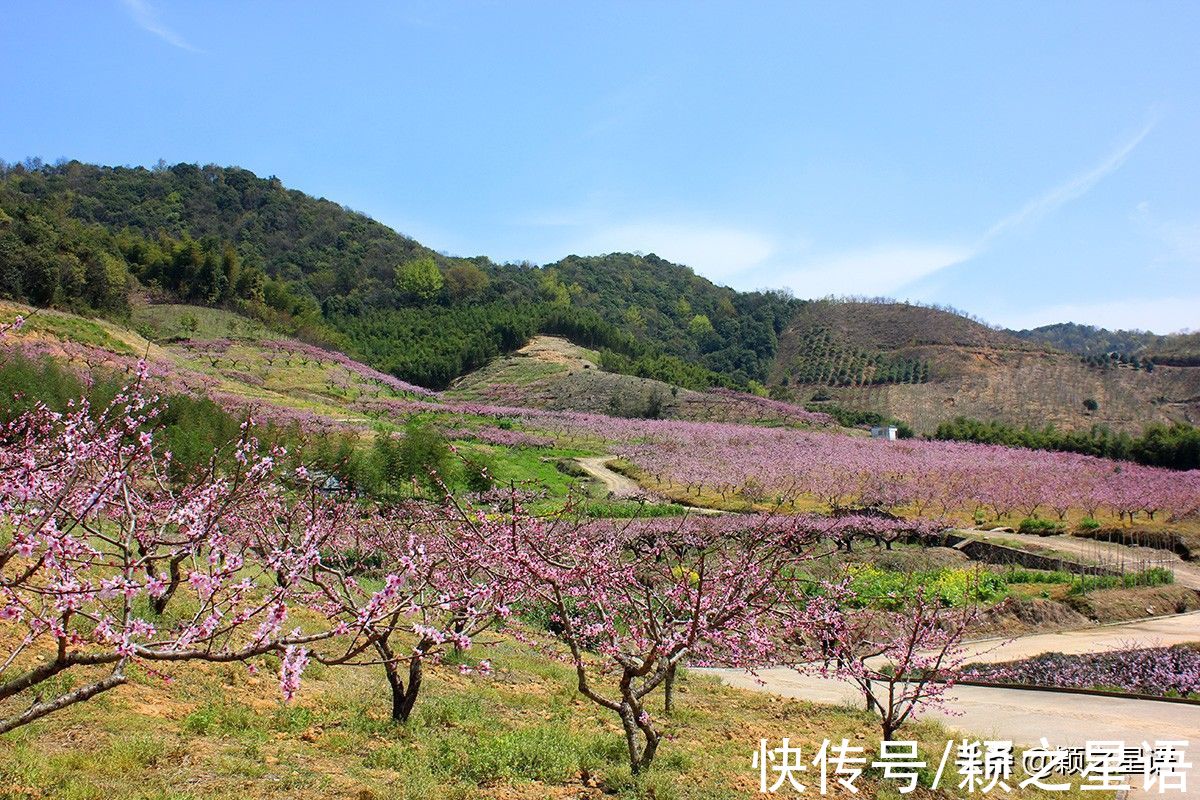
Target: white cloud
<point x="885" y="269"/>
<point x="1046" y="204"/>
<point x="875" y="271"/>
<point x="716" y="252"/>
<point x="146" y="18"/>
<point x="723" y="253"/>
<point x="1158" y="314"/>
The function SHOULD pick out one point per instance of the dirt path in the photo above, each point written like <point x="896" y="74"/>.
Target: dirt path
<point x="1187" y="573"/>
<point x="616" y="483"/>
<point x="1161" y="631"/>
<point x="623" y="486"/>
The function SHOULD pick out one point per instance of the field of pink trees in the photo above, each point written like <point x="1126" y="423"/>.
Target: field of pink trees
<point x="769" y="465"/>
<point x="106" y="564"/>
<point x="781" y="465"/>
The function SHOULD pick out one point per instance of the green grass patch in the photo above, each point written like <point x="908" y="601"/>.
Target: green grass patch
<point x="1155" y="576"/>
<point x="1019" y="575"/>
<point x="1040" y="527"/>
<point x="69" y="328"/>
<point x="171" y="321"/>
<point x="630" y="509"/>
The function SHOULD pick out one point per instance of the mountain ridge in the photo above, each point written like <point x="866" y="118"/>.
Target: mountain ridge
<point x="86" y="237"/>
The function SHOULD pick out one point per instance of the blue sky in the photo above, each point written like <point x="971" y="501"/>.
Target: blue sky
<point x="1029" y="162"/>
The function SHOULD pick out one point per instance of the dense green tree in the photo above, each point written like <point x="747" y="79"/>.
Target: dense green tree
<point x="1176" y="446"/>
<point x="79" y="235"/>
<point x="465" y="282"/>
<point x="419" y="279"/>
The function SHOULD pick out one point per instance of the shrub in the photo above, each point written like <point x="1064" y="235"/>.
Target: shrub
<point x="1089" y="524"/>
<point x="1040" y="527"/>
<point x="1155" y="576"/>
<point x="1037" y="576"/>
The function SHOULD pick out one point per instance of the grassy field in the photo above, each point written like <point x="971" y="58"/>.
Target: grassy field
<point x="219" y="732"/>
<point x="168" y="321"/>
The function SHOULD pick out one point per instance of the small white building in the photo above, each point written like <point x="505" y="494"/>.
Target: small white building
<point x="884" y="432"/>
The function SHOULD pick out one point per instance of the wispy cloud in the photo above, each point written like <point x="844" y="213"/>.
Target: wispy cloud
<point x="1046" y="204"/>
<point x="146" y="18"/>
<point x="889" y="267"/>
<point x="723" y="252"/>
<point x="879" y="270"/>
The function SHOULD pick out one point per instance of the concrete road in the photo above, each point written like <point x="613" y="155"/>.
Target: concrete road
<point x="1160" y="631"/>
<point x="1024" y="716"/>
<point x="1019" y="715"/>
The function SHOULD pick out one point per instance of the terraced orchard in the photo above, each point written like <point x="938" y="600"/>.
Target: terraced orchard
<point x="822" y="359"/>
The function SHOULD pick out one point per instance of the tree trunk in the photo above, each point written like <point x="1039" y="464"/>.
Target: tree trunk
<point x="415" y="670"/>
<point x="669" y="690"/>
<point x="159" y="604"/>
<point x="871" y="702"/>
<point x="404" y="696"/>
<point x="641" y="739"/>
<point x="631" y="739"/>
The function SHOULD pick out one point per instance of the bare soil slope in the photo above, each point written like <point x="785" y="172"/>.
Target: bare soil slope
<point x="926" y="366"/>
<point x="552" y="373"/>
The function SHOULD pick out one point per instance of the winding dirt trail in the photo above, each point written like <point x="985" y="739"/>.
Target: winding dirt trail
<point x="616" y="483"/>
<point x="623" y="486"/>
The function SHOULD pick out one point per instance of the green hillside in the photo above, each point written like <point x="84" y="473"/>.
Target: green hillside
<point x="86" y="238"/>
<point x="108" y="240"/>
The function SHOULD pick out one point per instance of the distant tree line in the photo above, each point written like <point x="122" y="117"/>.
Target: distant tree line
<point x="856" y="418"/>
<point x="1175" y="446"/>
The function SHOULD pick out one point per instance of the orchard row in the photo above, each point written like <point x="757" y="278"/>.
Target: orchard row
<point x="107" y="564"/>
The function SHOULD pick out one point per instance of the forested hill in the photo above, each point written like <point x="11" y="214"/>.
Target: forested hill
<point x="1179" y="349"/>
<point x="89" y="238"/>
<point x="1088" y="340"/>
<point x="94" y="239"/>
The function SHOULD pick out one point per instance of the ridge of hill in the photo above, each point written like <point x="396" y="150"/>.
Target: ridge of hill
<point x="927" y="366"/>
<point x="105" y="239"/>
<point x="1179" y="349"/>
<point x="85" y="237"/>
